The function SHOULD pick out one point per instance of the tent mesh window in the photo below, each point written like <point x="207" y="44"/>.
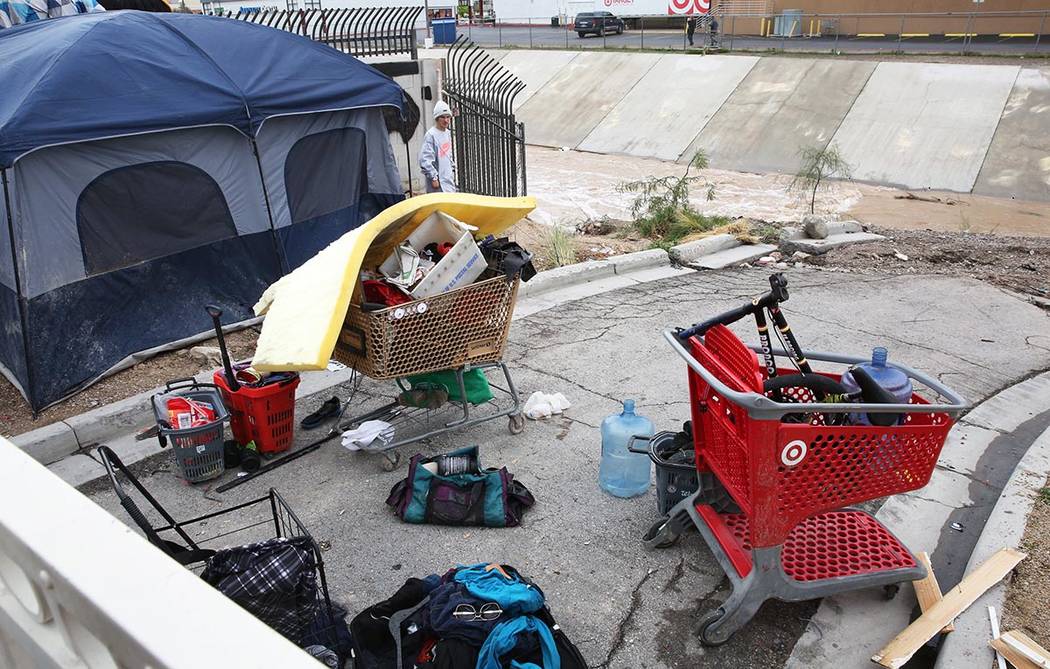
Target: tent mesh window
<point x="151" y="210"/>
<point x="326" y="172"/>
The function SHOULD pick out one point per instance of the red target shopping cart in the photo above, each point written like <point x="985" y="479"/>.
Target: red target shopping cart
<point x="780" y="461"/>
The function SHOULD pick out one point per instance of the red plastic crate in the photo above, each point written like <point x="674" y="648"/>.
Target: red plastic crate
<point x="779" y="473"/>
<point x="264" y="415"/>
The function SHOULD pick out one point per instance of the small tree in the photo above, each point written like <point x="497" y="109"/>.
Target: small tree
<point x="662" y="203"/>
<point x="818" y="165"/>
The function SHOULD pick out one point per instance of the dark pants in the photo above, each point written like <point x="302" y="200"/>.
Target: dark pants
<point x="690" y="29"/>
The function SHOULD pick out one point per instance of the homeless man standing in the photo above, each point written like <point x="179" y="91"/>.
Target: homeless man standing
<point x="436" y="158"/>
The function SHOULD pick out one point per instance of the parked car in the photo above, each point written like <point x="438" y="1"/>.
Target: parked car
<point x="598" y="23"/>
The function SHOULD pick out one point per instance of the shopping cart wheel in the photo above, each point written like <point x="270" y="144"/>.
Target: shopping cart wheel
<point x="703" y="628"/>
<point x="516" y="423"/>
<point x="661" y="535"/>
<point x="890" y="591"/>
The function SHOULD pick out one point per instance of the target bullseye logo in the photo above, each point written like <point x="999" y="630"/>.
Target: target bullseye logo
<point x="793" y="453"/>
<point x="688" y="6"/>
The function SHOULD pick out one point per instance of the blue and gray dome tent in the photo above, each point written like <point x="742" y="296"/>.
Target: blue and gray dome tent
<point x="154" y="163"/>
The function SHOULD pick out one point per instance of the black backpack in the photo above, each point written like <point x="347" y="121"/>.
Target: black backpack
<point x="390" y="634"/>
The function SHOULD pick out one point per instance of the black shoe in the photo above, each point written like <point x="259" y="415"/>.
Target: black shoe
<point x="231" y="454"/>
<point x="329" y="409"/>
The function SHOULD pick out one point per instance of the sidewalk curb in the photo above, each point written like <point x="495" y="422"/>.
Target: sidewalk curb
<point x="584" y="272"/>
<point x="968" y="645"/>
<point x="56" y="445"/>
<point x="692" y="251"/>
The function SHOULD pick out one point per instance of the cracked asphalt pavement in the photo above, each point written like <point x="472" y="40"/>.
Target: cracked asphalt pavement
<point x="625" y="607"/>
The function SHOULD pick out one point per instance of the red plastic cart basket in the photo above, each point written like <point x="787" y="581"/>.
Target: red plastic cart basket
<point x="774" y="498"/>
<point x="265" y="415"/>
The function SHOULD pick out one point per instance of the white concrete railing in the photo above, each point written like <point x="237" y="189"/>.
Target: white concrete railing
<point x="78" y="588"/>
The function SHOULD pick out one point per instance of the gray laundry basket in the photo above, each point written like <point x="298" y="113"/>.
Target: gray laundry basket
<point x="198" y="451"/>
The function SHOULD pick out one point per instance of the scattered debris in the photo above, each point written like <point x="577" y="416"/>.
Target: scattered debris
<point x="898" y="651"/>
<point x="993" y="620"/>
<point x="928" y="591"/>
<point x="815" y="227"/>
<point x="926" y="198"/>
<point x="543" y="405"/>
<point x="996" y="259"/>
<point x="600" y="226"/>
<point x="206" y="355"/>
<point x="1021" y="650"/>
<point x="800" y="255"/>
<point x="898" y="255"/>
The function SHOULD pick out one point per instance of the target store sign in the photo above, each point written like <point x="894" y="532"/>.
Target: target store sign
<point x="686" y="7"/>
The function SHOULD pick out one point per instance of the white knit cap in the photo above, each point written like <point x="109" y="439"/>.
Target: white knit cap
<point x="441" y="109"/>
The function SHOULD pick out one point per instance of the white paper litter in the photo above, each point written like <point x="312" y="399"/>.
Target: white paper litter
<point x="543" y="405"/>
<point x="367" y="434"/>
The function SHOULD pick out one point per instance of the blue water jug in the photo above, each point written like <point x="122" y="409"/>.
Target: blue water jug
<point x="892" y="380"/>
<point x="623" y="473"/>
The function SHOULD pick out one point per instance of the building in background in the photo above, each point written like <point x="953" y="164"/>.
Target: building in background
<point x="801" y="18"/>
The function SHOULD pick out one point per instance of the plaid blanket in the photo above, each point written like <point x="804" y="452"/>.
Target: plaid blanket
<point x="275" y="580"/>
<point x="14" y="12"/>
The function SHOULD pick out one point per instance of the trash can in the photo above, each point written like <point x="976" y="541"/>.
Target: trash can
<point x="554" y="22"/>
<point x="444" y="31"/>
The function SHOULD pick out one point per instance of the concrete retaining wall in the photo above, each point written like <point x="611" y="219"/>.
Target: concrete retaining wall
<point x="958" y="127"/>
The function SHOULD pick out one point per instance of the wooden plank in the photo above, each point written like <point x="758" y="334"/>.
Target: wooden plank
<point x="993" y="620"/>
<point x="928" y="591"/>
<point x="958" y="599"/>
<point x="1011" y="655"/>
<point x="1024" y="646"/>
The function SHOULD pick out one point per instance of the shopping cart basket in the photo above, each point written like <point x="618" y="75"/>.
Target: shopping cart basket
<point x="777" y="477"/>
<point x="459" y="330"/>
<point x="315" y="621"/>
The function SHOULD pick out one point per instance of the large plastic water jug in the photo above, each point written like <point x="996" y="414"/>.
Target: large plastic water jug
<point x="623" y="473"/>
<point x="891" y="379"/>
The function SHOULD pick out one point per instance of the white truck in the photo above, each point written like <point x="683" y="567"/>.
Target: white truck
<point x="651" y="7"/>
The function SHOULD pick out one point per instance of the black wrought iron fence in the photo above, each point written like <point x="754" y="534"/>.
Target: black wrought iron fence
<point x="489" y="142"/>
<point x="361" y="31"/>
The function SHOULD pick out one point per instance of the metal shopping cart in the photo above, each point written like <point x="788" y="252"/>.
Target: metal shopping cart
<point x="779" y="465"/>
<point x="194" y="542"/>
<point x="459" y="331"/>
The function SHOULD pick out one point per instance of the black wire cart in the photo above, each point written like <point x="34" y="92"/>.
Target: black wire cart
<point x="266" y="517"/>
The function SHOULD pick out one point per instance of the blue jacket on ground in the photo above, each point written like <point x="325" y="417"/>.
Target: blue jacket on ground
<point x="504" y="637"/>
<point x="514" y="596"/>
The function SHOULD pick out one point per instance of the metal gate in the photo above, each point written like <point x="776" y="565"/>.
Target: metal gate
<point x="489" y="142"/>
<point x="361" y="31"/>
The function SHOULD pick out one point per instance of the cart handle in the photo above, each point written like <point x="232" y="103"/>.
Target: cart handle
<point x="761" y="407"/>
<point x="176" y="384"/>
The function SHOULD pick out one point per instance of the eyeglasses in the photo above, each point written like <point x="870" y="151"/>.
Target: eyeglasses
<point x="467" y="612"/>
